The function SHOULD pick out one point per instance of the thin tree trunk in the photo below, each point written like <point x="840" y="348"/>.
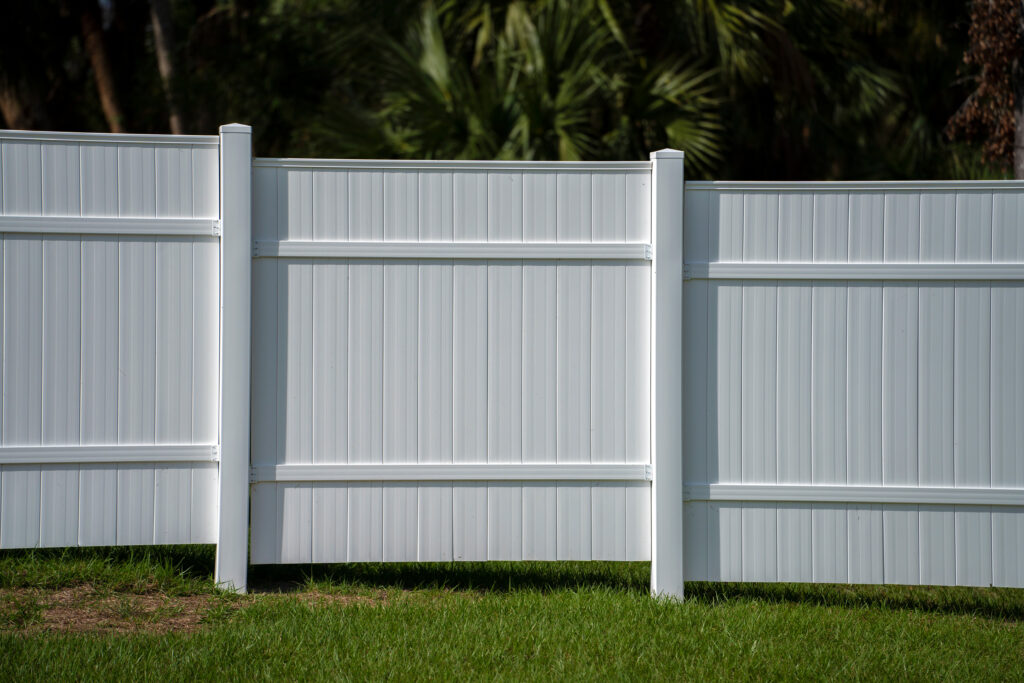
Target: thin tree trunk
<point x="1018" y="136"/>
<point x="14" y="112"/>
<point x="1018" y="101"/>
<point x="22" y="109"/>
<point x="95" y="47"/>
<point x="163" y="40"/>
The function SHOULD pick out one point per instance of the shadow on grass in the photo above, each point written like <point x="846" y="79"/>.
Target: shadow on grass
<point x="193" y="565"/>
<point x="495" y="577"/>
<point x="994" y="603"/>
<point x="634" y="578"/>
<point x="169" y="566"/>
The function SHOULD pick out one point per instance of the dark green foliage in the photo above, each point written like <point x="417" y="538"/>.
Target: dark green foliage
<point x="749" y="88"/>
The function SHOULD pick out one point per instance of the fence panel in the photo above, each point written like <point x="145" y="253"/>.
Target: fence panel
<point x="110" y="349"/>
<point x="451" y="361"/>
<point x="479" y="361"/>
<point x="853" y="382"/>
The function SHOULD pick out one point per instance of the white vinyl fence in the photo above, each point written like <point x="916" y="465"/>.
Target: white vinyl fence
<point x="111" y="367"/>
<point x="110" y="340"/>
<point x="509" y="361"/>
<point x="451" y="361"/>
<point x="854" y="382"/>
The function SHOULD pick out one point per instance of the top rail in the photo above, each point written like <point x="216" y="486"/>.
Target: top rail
<point x="853" y="186"/>
<point x="422" y="165"/>
<point x="123" y="138"/>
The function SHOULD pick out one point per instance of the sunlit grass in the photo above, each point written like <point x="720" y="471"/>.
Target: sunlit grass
<point x="505" y="620"/>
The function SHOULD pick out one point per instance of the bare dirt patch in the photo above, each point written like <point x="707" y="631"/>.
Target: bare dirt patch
<point x="81" y="609"/>
<point x="84" y="609"/>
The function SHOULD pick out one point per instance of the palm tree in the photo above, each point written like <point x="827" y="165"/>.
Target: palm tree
<point x="547" y="79"/>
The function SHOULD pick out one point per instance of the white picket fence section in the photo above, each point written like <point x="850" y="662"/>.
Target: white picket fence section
<point x="509" y="361"/>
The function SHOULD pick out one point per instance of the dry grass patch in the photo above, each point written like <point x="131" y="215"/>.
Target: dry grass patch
<point x="83" y="609"/>
<point x="317" y="598"/>
<point x="314" y="595"/>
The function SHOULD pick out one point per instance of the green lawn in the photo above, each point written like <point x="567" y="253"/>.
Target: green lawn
<point x="153" y="614"/>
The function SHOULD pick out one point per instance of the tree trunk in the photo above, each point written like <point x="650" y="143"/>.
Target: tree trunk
<point x="163" y="40"/>
<point x="14" y="111"/>
<point x="22" y="109"/>
<point x="1018" y="100"/>
<point x="95" y="47"/>
<point x="1018" y="135"/>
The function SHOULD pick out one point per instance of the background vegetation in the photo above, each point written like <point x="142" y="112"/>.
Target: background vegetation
<point x="755" y="89"/>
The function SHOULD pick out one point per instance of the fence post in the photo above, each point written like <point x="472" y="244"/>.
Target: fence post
<point x="667" y="373"/>
<point x="235" y="320"/>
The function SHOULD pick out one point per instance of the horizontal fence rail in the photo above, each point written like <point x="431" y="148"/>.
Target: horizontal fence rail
<point x="110" y="226"/>
<point x="823" y="493"/>
<point x="854" y="271"/>
<point x="452" y="472"/>
<point x="138" y="139"/>
<point x="857" y="186"/>
<point x="52" y="455"/>
<point x="451" y="250"/>
<point x="643" y="167"/>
